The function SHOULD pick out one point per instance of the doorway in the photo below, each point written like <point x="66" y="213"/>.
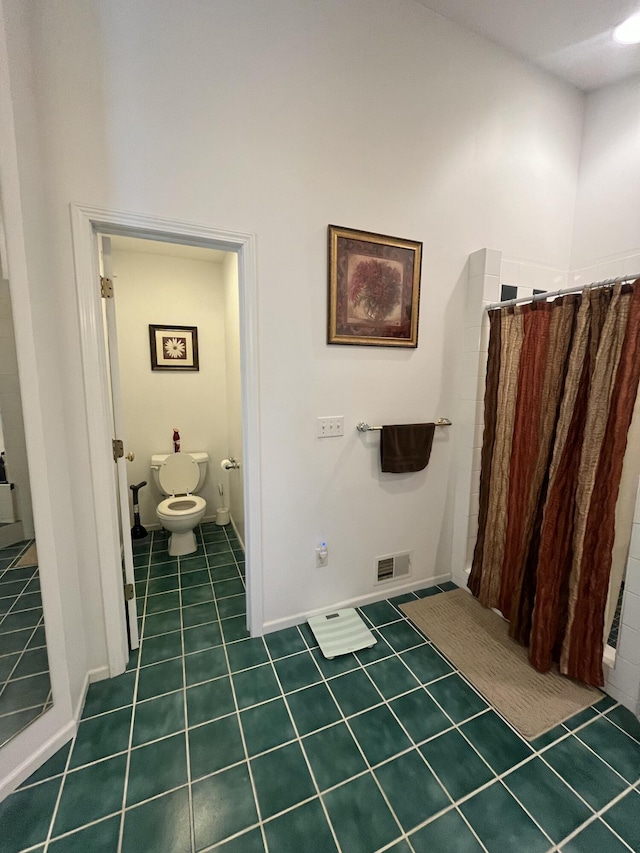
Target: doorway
<point x="88" y="223"/>
<point x="187" y="401"/>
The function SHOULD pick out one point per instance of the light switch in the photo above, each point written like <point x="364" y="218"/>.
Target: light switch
<point x="326" y="427"/>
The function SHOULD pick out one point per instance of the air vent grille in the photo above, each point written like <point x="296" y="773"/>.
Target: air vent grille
<point x="385" y="568"/>
<point x="393" y="566"/>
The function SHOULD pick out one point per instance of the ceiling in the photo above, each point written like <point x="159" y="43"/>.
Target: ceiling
<point x="570" y="38"/>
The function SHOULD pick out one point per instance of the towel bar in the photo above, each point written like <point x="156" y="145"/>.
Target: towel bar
<point x="363" y="426"/>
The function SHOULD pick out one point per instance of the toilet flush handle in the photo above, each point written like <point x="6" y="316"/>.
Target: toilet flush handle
<point x="131" y="456"/>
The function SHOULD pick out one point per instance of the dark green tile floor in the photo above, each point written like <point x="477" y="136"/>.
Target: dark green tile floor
<point x="215" y="741"/>
<point x="25" y="686"/>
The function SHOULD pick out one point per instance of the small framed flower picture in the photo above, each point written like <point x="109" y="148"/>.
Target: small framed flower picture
<point x="374" y="289"/>
<point x="174" y="347"/>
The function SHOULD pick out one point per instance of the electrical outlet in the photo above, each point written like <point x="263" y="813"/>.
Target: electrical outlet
<point x="326" y="427"/>
<point x="322" y="556"/>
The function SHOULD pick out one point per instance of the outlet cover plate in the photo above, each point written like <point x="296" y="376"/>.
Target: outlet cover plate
<point x="327" y="427"/>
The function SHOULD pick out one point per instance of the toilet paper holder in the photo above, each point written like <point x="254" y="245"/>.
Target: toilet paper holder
<point x="229" y="463"/>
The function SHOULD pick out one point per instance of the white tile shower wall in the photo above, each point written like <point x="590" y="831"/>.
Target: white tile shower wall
<point x="623" y="681"/>
<point x="607" y="267"/>
<point x="527" y="276"/>
<point x="483" y="287"/>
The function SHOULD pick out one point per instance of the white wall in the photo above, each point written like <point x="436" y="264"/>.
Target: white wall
<point x="165" y="290"/>
<point x="279" y="118"/>
<point x="607" y="220"/>
<point x="235" y="491"/>
<point x="35" y="304"/>
<point x="606" y="243"/>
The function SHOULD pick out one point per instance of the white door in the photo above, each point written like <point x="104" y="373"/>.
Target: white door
<point x="120" y="459"/>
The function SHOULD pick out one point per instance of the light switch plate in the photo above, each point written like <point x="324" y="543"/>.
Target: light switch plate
<point x="333" y="425"/>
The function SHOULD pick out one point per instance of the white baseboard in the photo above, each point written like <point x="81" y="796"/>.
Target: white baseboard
<point x="55" y="741"/>
<point x="37" y="759"/>
<point x="97" y="674"/>
<point x="379" y="594"/>
<point x="235" y="530"/>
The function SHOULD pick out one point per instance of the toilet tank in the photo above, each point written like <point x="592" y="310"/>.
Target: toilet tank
<point x="201" y="458"/>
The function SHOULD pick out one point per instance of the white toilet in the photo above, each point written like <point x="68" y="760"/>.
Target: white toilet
<point x="180" y="475"/>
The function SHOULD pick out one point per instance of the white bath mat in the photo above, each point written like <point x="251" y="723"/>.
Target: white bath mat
<point x="341" y="632"/>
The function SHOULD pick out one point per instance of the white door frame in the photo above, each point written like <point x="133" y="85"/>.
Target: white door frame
<point x="86" y="221"/>
<point x="119" y="432"/>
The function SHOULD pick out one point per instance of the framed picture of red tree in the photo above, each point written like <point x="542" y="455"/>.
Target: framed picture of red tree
<point x="374" y="289"/>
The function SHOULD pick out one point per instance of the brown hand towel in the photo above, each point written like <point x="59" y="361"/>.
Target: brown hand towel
<point x="405" y="447"/>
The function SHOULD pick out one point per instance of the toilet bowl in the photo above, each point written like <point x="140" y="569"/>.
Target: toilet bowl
<point x="180" y="475"/>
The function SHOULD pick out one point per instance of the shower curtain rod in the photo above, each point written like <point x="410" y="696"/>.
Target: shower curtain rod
<point x="537" y="297"/>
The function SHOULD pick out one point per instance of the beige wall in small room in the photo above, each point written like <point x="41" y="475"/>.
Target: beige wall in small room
<point x="166" y="290"/>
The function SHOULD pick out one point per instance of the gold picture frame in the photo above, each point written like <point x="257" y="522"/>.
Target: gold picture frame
<point x="174" y="347"/>
<point x="374" y="289"/>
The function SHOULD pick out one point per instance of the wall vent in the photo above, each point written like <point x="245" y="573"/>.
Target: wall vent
<point x="393" y="566"/>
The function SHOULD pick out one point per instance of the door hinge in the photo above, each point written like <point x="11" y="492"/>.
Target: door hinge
<point x="106" y="287"/>
<point x="118" y="449"/>
<point x="128" y="591"/>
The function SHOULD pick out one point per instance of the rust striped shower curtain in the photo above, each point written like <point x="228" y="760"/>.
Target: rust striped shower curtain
<point x="562" y="379"/>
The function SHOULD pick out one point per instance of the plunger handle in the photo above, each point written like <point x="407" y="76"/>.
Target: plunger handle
<point x="136" y="489"/>
<point x="137" y="531"/>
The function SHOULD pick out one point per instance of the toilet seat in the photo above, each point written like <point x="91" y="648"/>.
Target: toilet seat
<point x="179" y="474"/>
<point x="170" y="507"/>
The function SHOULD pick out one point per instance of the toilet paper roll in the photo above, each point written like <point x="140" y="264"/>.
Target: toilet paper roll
<point x="226" y="464"/>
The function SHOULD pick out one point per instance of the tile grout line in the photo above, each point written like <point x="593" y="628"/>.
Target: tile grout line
<point x="298" y="739"/>
<point x="136" y="680"/>
<point x="13" y="612"/>
<point x="592" y="818"/>
<point x="192" y="829"/>
<point x="535" y="753"/>
<point x="419" y="687"/>
<point x="454" y="802"/>
<point x="580" y="728"/>
<point x="260" y="705"/>
<point x="598" y="816"/>
<point x="18" y="595"/>
<point x="369" y="769"/>
<point x="617" y="726"/>
<point x="26" y="645"/>
<point x="498" y="777"/>
<point x="41" y="705"/>
<point x="56" y="806"/>
<point x="235" y="713"/>
<point x="238" y="719"/>
<point x="346" y="718"/>
<point x="629" y="787"/>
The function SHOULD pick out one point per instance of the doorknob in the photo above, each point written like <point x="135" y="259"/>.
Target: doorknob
<point x="131" y="456"/>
